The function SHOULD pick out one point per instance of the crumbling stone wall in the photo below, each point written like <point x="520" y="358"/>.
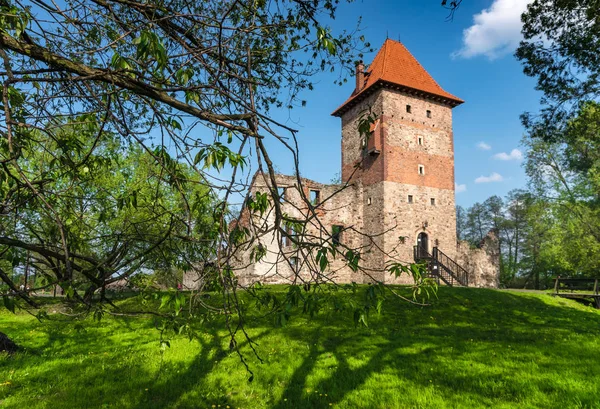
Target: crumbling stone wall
<point x="340" y="206"/>
<point x="482" y="262"/>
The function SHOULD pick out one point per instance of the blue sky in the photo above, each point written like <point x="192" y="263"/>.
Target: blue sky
<point x="471" y="57"/>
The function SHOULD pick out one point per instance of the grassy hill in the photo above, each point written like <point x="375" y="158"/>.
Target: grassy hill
<point x="472" y="348"/>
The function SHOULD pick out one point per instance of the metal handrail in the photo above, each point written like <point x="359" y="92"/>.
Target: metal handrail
<point x="459" y="274"/>
<point x="421" y="253"/>
<point x="447" y="269"/>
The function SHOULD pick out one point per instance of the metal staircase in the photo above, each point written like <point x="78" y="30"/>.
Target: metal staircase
<point x="441" y="267"/>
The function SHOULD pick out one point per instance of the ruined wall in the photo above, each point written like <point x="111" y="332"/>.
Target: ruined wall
<point x="482" y="262"/>
<point x="339" y="206"/>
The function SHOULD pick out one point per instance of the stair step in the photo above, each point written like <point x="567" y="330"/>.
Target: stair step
<point x="442" y="267"/>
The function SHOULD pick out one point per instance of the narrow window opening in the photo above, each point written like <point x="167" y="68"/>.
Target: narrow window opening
<point x="336" y="234"/>
<point x="293" y="235"/>
<point x="433" y="201"/>
<point x="428" y="114"/>
<point x="420" y="140"/>
<point x="408" y="109"/>
<point x="369" y="201"/>
<point x="410" y="198"/>
<point x="421" y="170"/>
<point x="294" y="262"/>
<point x="315" y="197"/>
<point x="281" y="192"/>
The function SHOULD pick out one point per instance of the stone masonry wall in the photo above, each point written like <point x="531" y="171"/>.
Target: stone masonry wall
<point x="413" y="139"/>
<point x="371" y="167"/>
<point x="339" y="206"/>
<point x="405" y="221"/>
<point x="482" y="263"/>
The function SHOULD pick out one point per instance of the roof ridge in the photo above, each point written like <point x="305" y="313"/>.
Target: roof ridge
<point x="385" y="54"/>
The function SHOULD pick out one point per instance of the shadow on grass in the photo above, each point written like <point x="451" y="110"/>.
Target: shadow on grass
<point x="472" y="348"/>
<point x="509" y="351"/>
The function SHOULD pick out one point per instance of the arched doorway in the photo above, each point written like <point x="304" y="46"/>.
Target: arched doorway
<point x="423" y="244"/>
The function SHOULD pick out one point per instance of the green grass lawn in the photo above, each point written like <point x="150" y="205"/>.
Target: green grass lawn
<point x="472" y="348"/>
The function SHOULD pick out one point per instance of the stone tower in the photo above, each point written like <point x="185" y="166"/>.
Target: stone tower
<point x="405" y="167"/>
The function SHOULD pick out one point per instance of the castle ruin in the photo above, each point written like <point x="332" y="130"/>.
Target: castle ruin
<point x="395" y="202"/>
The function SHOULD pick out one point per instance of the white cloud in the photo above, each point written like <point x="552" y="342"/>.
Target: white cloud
<point x="515" y="154"/>
<point x="495" y="32"/>
<point x="494" y="177"/>
<point x="460" y="188"/>
<point x="483" y="146"/>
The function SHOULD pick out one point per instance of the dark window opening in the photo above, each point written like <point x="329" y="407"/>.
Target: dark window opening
<point x="433" y="201"/>
<point x="410" y="198"/>
<point x="408" y="109"/>
<point x="336" y="234"/>
<point x="428" y="114"/>
<point x="315" y="197"/>
<point x="421" y="170"/>
<point x="420" y="140"/>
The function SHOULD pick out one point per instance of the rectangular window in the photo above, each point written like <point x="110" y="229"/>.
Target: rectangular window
<point x="433" y="201"/>
<point x="408" y="109"/>
<point x="315" y="197"/>
<point x="369" y="201"/>
<point x="421" y="170"/>
<point x="336" y="234"/>
<point x="428" y="114"/>
<point x="294" y="263"/>
<point x="294" y="232"/>
<point x="420" y="140"/>
<point x="410" y="198"/>
<point x="281" y="192"/>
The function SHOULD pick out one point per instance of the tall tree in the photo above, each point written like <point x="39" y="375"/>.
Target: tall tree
<point x="190" y="87"/>
<point x="494" y="207"/>
<point x="478" y="223"/>
<point x="560" y="49"/>
<point x="187" y="82"/>
<point x="461" y="223"/>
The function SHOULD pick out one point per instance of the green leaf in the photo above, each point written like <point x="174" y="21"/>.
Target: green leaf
<point x="322" y="259"/>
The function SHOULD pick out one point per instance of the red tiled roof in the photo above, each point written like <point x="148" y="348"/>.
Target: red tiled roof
<point x="395" y="65"/>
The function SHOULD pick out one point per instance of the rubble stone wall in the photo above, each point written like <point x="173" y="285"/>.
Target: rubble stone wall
<point x="482" y="262"/>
